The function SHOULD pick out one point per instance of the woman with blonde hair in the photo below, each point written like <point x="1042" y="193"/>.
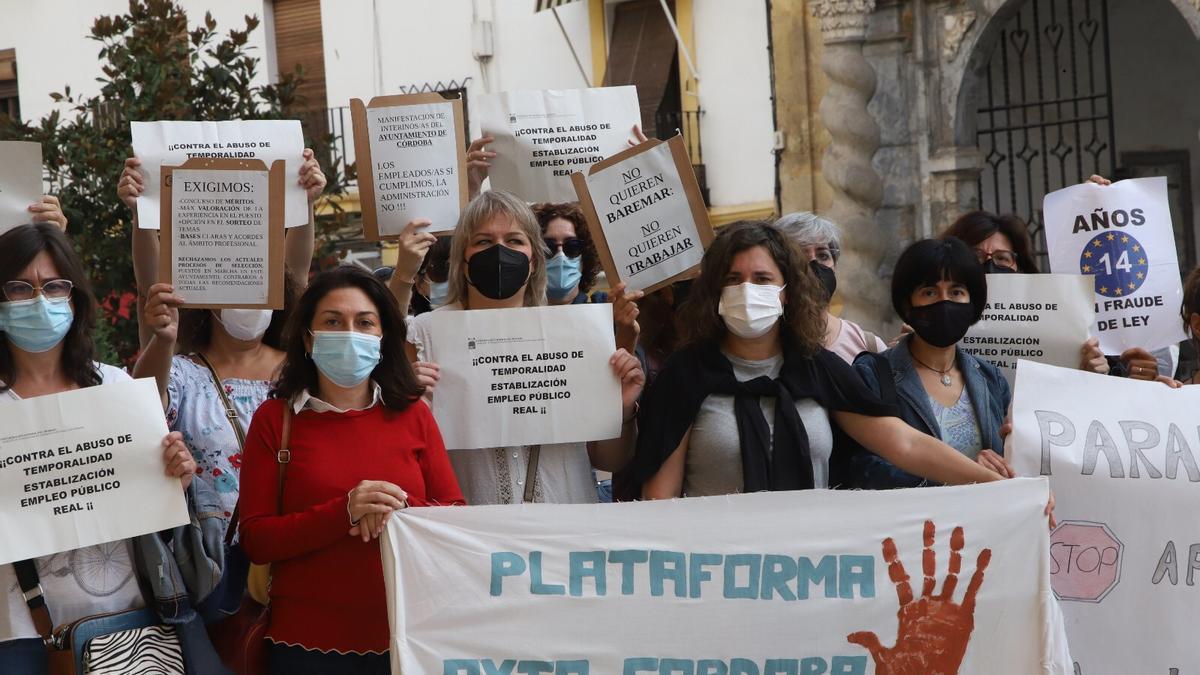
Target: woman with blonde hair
<point x="498" y="261"/>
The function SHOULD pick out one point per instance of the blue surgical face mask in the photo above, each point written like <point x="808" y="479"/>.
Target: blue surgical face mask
<point x="562" y="275"/>
<point x="38" y="324"/>
<point x="345" y="357"/>
<point x="439" y="292"/>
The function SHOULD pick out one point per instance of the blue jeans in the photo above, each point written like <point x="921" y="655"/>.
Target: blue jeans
<point x="26" y="656"/>
<point x="286" y="660"/>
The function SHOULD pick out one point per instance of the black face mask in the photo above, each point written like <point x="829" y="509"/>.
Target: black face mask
<point x="498" y="272"/>
<point x="942" y="323"/>
<point x="990" y="267"/>
<point x="826" y="276"/>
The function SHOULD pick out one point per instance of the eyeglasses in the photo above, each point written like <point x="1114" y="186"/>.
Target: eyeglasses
<point x="437" y="270"/>
<point x="17" y="290"/>
<point x="572" y="248"/>
<point x="1000" y="257"/>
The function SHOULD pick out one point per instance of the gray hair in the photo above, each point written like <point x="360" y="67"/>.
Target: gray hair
<point x="808" y="229"/>
<point x="480" y="210"/>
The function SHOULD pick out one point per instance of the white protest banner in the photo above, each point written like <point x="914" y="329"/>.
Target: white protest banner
<point x="646" y="207"/>
<point x="729" y="585"/>
<point x="222" y="234"/>
<point x="543" y="136"/>
<point x="533" y="375"/>
<point x="1121" y="235"/>
<point x="84" y="467"/>
<point x="20" y="182"/>
<point x="412" y="162"/>
<point x="1039" y="317"/>
<point x="1125" y="560"/>
<point x="173" y="143"/>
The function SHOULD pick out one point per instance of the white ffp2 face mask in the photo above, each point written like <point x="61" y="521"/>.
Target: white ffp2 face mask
<point x="245" y="324"/>
<point x="750" y="310"/>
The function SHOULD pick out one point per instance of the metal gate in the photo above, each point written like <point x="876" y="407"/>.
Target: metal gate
<point x="1046" y="119"/>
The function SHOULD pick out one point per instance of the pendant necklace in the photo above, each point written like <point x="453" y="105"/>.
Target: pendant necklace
<point x="946" y="381"/>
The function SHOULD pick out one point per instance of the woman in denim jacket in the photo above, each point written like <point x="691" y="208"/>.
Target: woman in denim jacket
<point x="940" y="290"/>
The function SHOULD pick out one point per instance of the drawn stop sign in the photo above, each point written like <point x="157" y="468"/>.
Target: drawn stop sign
<point x="1085" y="561"/>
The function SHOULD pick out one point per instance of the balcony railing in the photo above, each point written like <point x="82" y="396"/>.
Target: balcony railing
<point x="686" y="122"/>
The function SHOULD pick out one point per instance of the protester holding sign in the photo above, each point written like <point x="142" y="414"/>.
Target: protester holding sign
<point x="1002" y="245"/>
<point x="298" y="241"/>
<point x="939" y="289"/>
<point x="345" y="443"/>
<point x="498" y="261"/>
<point x="755" y="328"/>
<point x="821" y="243"/>
<point x="46" y="317"/>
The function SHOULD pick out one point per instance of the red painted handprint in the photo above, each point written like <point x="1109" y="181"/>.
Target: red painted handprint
<point x="934" y="631"/>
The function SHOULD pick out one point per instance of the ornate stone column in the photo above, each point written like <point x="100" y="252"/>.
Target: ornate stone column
<point x="857" y="187"/>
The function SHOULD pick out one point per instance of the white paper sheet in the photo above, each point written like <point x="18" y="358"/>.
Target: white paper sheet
<point x="415" y="177"/>
<point x="526" y="376"/>
<point x="20" y="182"/>
<point x="172" y="143"/>
<point x="543" y="136"/>
<point x="220" y="248"/>
<point x="1038" y="317"/>
<point x="1121" y="235"/>
<point x="84" y="467"/>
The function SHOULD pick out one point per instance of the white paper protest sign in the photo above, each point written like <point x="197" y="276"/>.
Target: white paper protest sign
<point x="412" y="162"/>
<point x="222" y="233"/>
<point x="84" y="467"/>
<point x="1039" y="317"/>
<point x="1125" y="560"/>
<point x="543" y="136"/>
<point x="20" y="182"/>
<point x="1121" y="235"/>
<point x="646" y="205"/>
<point x="173" y="143"/>
<point x="532" y="375"/>
<point x="735" y="584"/>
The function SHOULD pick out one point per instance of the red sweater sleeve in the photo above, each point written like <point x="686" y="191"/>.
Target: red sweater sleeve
<point x="441" y="485"/>
<point x="266" y="536"/>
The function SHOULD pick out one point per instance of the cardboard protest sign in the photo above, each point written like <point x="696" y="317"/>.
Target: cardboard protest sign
<point x="526" y="376"/>
<point x="173" y="143"/>
<point x="734" y="584"/>
<point x="20" y="182"/>
<point x="221" y="244"/>
<point x="1125" y="560"/>
<point x="1038" y="317"/>
<point x="84" y="467"/>
<point x="1121" y="235"/>
<point x="542" y="137"/>
<point x="644" y="206"/>
<point x="412" y="162"/>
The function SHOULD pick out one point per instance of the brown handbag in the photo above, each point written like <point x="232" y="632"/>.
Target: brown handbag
<point x="241" y="639"/>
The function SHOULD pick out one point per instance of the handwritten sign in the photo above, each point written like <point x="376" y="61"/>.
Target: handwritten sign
<point x="526" y="376"/>
<point x="84" y="467"/>
<point x="222" y="243"/>
<point x="412" y="162"/>
<point x="1121" y="235"/>
<point x="20" y="182"/>
<point x="1038" y="317"/>
<point x="542" y="137"/>
<point x="734" y="584"/>
<point x="1122" y="457"/>
<point x="173" y="143"/>
<point x="646" y="204"/>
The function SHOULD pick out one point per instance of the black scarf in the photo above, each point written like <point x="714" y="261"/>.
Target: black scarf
<point x="778" y="461"/>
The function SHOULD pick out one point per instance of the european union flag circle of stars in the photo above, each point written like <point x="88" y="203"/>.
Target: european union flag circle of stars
<point x="1125" y="268"/>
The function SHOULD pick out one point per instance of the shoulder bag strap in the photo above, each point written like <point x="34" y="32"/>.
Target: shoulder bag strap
<point x="531" y="472"/>
<point x="31" y="588"/>
<point x="284" y="456"/>
<point x="230" y="411"/>
<point x="872" y="341"/>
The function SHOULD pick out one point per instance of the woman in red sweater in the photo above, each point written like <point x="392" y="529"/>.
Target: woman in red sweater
<point x="361" y="446"/>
